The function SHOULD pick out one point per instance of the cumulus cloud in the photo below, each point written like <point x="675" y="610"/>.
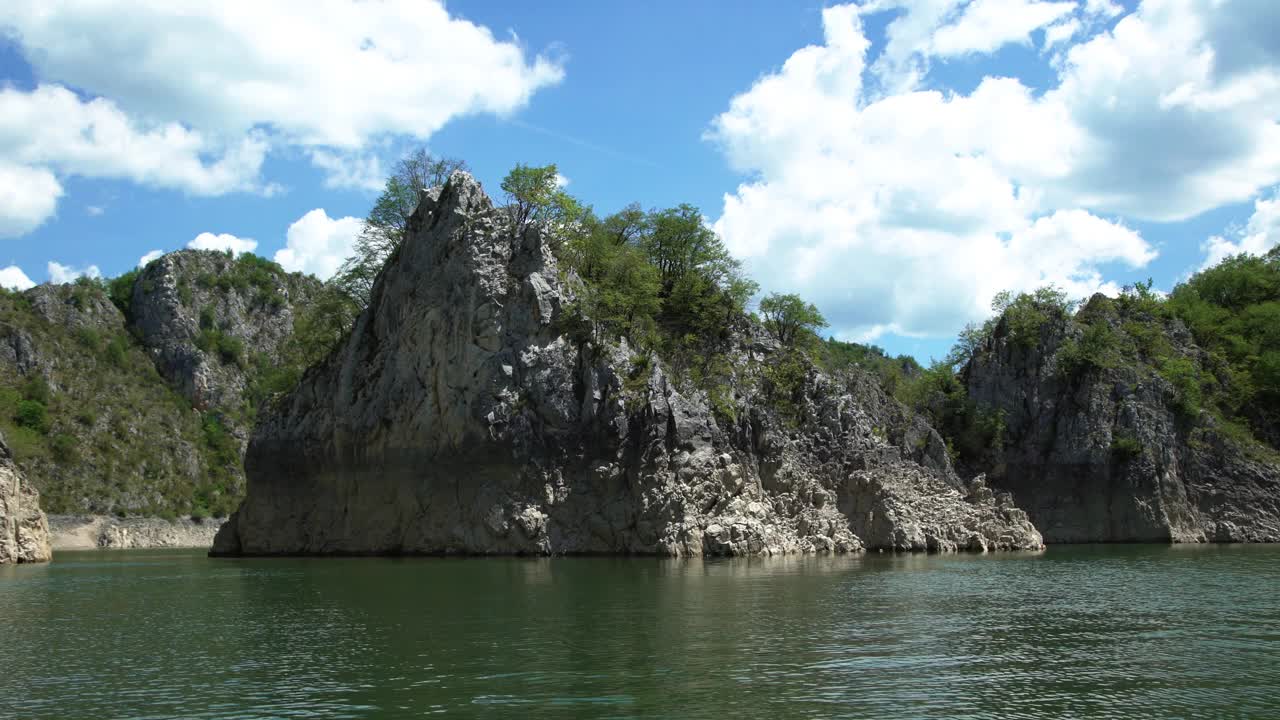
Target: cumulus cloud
<point x="193" y="95"/>
<point x="13" y="278"/>
<point x="902" y="208"/>
<point x="221" y="242"/>
<point x="145" y="260"/>
<point x="1259" y="234"/>
<point x="28" y="197"/>
<point x="318" y="244"/>
<point x="59" y="273"/>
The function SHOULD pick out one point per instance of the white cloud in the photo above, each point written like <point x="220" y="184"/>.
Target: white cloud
<point x="905" y="209"/>
<point x="562" y="181"/>
<point x="988" y="25"/>
<point x="350" y="171"/>
<point x="193" y="95"/>
<point x="1260" y="234"/>
<point x="322" y="72"/>
<point x="28" y="197"/>
<point x="52" y="127"/>
<point x="59" y="273"/>
<point x="222" y="242"/>
<point x="94" y="210"/>
<point x="318" y="244"/>
<point x="145" y="260"/>
<point x="927" y="29"/>
<point x="13" y="278"/>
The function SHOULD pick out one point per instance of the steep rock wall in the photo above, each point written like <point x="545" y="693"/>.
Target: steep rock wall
<point x="460" y="418"/>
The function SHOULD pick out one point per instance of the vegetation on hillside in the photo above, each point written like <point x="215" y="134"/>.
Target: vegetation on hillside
<point x="93" y="423"/>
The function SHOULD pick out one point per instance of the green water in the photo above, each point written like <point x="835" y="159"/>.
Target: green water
<point x="1088" y="632"/>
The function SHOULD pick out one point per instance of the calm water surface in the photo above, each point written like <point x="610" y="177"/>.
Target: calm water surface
<point x="1087" y="632"/>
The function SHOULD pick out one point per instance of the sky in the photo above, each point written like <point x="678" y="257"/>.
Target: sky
<point x="896" y="162"/>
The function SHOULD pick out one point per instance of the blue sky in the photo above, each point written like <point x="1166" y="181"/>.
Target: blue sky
<point x="896" y="162"/>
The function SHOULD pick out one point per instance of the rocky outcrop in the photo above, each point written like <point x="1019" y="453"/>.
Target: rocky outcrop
<point x="204" y="317"/>
<point x="460" y="417"/>
<point x="1107" y="455"/>
<point x="24" y="531"/>
<point x="92" y="532"/>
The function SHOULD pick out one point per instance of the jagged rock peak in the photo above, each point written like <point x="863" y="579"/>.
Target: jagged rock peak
<point x="460" y="417"/>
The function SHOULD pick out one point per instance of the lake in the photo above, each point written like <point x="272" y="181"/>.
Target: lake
<point x="1121" y="631"/>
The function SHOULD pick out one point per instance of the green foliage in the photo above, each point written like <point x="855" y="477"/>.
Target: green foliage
<point x="1183" y="374"/>
<point x="784" y="380"/>
<point x="895" y="374"/>
<point x="1125" y="448"/>
<point x="318" y="328"/>
<point x="228" y="348"/>
<point x="1099" y="348"/>
<point x="33" y="415"/>
<point x="1024" y="314"/>
<point x="37" y="389"/>
<point x="792" y="320"/>
<point x="89" y="337"/>
<point x="64" y="448"/>
<point x="534" y="196"/>
<point x="120" y="290"/>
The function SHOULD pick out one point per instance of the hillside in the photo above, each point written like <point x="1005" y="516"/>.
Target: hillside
<point x="134" y="398"/>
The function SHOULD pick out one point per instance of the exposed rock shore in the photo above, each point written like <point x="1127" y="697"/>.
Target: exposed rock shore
<point x="24" y="531"/>
<point x="93" y="532"/>
<point x="461" y="417"/>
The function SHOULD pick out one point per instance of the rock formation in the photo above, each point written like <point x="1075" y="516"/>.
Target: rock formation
<point x="460" y="417"/>
<point x="24" y="531"/>
<point x="186" y="302"/>
<point x="1106" y="456"/>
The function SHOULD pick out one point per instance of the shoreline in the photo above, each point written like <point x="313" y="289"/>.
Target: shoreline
<point x="106" y="532"/>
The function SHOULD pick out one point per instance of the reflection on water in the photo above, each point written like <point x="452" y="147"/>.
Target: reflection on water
<point x="1100" y="632"/>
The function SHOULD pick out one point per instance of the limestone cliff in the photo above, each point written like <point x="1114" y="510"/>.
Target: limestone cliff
<point x="206" y="318"/>
<point x="1107" y="454"/>
<point x="461" y="417"/>
<point x="24" y="531"/>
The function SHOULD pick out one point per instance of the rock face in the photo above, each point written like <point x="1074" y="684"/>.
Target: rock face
<point x="204" y="316"/>
<point x="460" y="418"/>
<point x="24" y="531"/>
<point x="1105" y="456"/>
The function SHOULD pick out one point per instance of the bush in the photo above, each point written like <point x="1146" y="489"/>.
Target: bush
<point x="1183" y="374"/>
<point x="1124" y="448"/>
<point x="65" y="448"/>
<point x="33" y="415"/>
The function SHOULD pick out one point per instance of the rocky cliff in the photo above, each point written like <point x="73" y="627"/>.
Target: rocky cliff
<point x="134" y="397"/>
<point x="1111" y="450"/>
<point x="24" y="531"/>
<point x="207" y="319"/>
<point x="461" y="417"/>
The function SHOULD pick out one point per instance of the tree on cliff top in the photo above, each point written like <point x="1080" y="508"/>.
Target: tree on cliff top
<point x="790" y="318"/>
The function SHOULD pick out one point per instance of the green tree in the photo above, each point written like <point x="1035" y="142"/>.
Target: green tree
<point x="790" y="318"/>
<point x="534" y="196"/>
